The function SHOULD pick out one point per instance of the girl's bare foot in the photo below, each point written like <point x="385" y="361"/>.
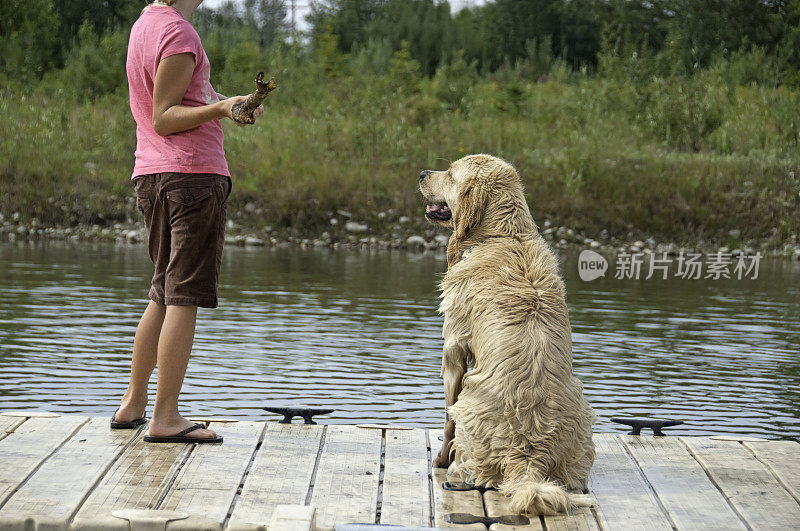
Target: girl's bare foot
<point x="171" y="426"/>
<point x="129" y="410"/>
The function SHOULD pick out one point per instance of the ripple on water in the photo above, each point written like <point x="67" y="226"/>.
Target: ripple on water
<point x="359" y="332"/>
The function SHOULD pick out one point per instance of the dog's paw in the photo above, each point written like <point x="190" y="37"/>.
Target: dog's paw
<point x="441" y="461"/>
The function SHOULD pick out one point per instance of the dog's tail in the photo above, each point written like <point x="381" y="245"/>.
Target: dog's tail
<point x="529" y="496"/>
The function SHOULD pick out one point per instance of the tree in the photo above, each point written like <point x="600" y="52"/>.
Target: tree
<point x="515" y="22"/>
<point x="103" y="15"/>
<point x="425" y="25"/>
<point x="350" y="20"/>
<point x="268" y="17"/>
<point x="29" y="45"/>
<point x="699" y="32"/>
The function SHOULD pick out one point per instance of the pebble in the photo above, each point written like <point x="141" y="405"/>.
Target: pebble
<point x="404" y="219"/>
<point x="253" y="241"/>
<point x="416" y="241"/>
<point x="735" y="233"/>
<point x="441" y="239"/>
<point x="354" y="226"/>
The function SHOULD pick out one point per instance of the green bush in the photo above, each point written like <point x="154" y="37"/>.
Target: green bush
<point x="29" y="42"/>
<point x="453" y="82"/>
<point x="95" y="66"/>
<point x="683" y="112"/>
<point x="639" y="146"/>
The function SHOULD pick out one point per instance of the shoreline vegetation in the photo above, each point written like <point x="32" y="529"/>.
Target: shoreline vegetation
<point x="648" y="136"/>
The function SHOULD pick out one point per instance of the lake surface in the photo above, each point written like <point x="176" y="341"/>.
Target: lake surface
<point x="358" y="331"/>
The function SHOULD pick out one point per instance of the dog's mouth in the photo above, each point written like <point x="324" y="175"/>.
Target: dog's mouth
<point x="438" y="212"/>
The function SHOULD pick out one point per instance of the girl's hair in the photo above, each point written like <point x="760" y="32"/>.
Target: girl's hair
<point x="150" y="2"/>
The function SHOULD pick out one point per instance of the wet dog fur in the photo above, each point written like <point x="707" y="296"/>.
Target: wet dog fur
<point x="517" y="419"/>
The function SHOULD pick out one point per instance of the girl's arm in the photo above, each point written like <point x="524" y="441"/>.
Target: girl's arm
<point x="172" y="79"/>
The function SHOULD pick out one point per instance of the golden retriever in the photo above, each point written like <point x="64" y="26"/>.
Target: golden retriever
<point x="517" y="419"/>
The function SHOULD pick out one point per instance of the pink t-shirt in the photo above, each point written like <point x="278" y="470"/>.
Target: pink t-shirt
<point x="159" y="32"/>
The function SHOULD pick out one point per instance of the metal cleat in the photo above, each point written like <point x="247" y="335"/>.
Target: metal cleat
<point x="458" y="486"/>
<point x="638" y="423"/>
<point x="290" y="412"/>
<point x="467" y="518"/>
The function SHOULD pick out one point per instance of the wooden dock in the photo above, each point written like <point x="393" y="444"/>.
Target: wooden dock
<point x="73" y="472"/>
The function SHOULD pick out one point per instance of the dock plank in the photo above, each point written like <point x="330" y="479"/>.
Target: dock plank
<point x="497" y="505"/>
<point x="783" y="460"/>
<point x="446" y="501"/>
<point x="137" y="480"/>
<point x="406" y="493"/>
<point x="752" y="489"/>
<point x="8" y="425"/>
<point x="29" y="445"/>
<point x="208" y="481"/>
<point x="580" y="518"/>
<point x="624" y="498"/>
<point x="53" y="494"/>
<point x="346" y="486"/>
<point x="280" y="475"/>
<point x="690" y="498"/>
<point x="58" y="468"/>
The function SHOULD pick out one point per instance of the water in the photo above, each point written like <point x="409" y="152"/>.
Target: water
<point x="358" y="331"/>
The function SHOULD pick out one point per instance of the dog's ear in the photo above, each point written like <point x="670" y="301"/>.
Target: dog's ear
<point x="468" y="214"/>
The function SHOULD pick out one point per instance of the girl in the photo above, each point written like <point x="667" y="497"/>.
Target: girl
<point x="182" y="186"/>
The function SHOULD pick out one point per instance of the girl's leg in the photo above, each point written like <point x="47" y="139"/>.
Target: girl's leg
<point x="174" y="347"/>
<point x="145" y="346"/>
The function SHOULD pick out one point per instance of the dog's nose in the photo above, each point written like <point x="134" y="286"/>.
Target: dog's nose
<point x="423" y="174"/>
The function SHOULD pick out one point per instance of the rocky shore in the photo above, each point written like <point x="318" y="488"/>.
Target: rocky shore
<point x="387" y="232"/>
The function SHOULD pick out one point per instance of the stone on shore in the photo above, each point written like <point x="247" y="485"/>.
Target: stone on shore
<point x="354" y="226"/>
<point x="416" y="241"/>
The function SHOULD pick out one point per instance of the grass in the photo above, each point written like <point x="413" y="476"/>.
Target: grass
<point x="680" y="160"/>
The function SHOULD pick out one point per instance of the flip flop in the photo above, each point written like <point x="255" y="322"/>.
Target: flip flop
<point x="118" y="425"/>
<point x="181" y="437"/>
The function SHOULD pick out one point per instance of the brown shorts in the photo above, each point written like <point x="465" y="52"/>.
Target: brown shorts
<point x="185" y="218"/>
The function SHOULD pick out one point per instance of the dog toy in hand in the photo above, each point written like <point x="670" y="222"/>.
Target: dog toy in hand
<point x="243" y="112"/>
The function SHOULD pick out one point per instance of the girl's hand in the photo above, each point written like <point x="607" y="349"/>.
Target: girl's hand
<point x="227" y="104"/>
<point x="258" y="112"/>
